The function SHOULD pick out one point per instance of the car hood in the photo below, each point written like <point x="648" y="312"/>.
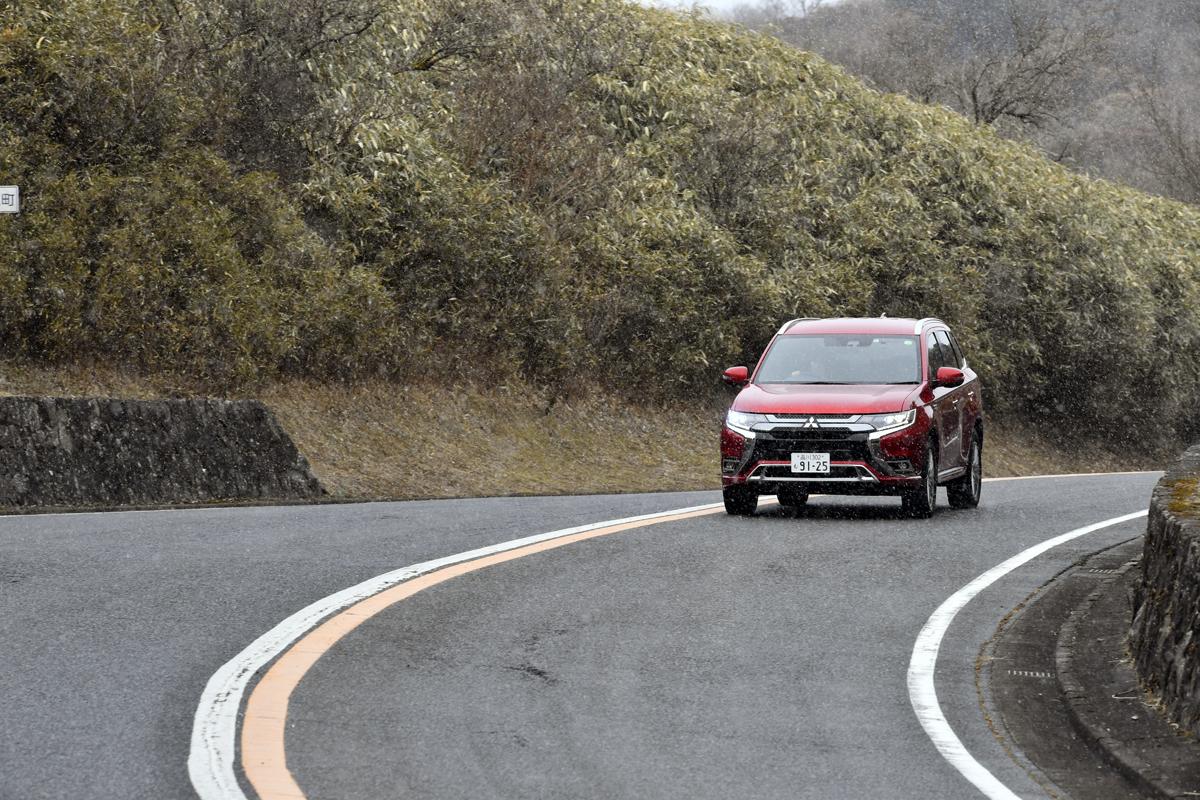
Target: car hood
<point x="791" y="398"/>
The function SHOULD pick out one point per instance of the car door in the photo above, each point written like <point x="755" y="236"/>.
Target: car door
<point x="954" y="448"/>
<point x="944" y="415"/>
<point x="971" y="407"/>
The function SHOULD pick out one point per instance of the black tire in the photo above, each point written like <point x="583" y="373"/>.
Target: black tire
<point x="792" y="497"/>
<point x="922" y="501"/>
<point x="740" y="501"/>
<point x="964" y="492"/>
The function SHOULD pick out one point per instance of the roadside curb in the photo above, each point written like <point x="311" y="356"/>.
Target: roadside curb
<point x="1104" y="699"/>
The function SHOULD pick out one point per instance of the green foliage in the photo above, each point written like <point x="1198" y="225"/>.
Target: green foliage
<point x="83" y="84"/>
<point x="572" y="190"/>
<point x="183" y="267"/>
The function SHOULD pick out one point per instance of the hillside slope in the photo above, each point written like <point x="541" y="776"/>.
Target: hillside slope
<point x="578" y="193"/>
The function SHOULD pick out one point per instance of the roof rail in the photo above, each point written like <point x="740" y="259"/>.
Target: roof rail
<point x="789" y="324"/>
<point x="922" y="322"/>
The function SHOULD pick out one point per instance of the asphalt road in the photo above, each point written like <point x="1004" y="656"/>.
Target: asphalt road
<point x="714" y="657"/>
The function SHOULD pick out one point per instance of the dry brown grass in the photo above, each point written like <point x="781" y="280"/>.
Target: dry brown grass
<point x="1014" y="449"/>
<point x="388" y="440"/>
<point x="385" y="440"/>
<point x="1185" y="497"/>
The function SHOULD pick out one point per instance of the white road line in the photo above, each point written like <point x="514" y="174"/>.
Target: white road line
<point x="212" y="758"/>
<point x="34" y="513"/>
<point x="214" y="731"/>
<point x="1072" y="475"/>
<point x="921" y="690"/>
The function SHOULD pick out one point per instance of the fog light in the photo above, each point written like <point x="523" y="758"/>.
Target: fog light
<point x="729" y="466"/>
<point x="901" y="466"/>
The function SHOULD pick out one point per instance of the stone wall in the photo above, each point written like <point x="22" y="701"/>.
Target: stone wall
<point x="1165" y="636"/>
<point x="90" y="452"/>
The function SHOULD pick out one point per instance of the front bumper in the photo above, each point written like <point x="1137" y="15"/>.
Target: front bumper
<point x="859" y="462"/>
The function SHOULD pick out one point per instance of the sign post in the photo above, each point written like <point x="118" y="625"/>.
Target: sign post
<point x="10" y="200"/>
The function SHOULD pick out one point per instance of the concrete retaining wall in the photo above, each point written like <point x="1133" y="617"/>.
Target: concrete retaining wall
<point x="1165" y="635"/>
<point x="91" y="452"/>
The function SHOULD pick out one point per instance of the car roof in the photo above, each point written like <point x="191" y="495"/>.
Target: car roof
<point x="894" y="326"/>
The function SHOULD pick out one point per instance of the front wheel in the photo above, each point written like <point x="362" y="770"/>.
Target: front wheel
<point x="964" y="492"/>
<point x="740" y="501"/>
<point x="921" y="501"/>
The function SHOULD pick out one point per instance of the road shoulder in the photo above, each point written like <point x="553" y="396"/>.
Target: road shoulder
<point x="1063" y="697"/>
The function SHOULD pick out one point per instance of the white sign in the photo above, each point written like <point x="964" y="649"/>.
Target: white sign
<point x="10" y="200"/>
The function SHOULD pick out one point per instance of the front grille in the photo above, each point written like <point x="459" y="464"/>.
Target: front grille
<point x="810" y="434"/>
<point x="818" y="416"/>
<point x="835" y="472"/>
<point x="780" y="444"/>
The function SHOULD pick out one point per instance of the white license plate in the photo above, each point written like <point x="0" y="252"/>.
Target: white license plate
<point x="810" y="462"/>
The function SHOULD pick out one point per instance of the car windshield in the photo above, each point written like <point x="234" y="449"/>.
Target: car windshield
<point x="841" y="358"/>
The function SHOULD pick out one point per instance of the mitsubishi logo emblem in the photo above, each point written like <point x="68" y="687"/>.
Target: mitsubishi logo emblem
<point x="811" y="422"/>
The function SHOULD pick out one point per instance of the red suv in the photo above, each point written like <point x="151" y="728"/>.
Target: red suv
<point x="855" y="406"/>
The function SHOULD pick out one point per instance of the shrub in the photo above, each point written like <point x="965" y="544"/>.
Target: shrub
<point x="572" y="190"/>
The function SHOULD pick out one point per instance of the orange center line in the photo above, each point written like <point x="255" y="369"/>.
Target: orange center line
<point x="264" y="756"/>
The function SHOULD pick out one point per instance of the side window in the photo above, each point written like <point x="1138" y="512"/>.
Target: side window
<point x="935" y="355"/>
<point x="948" y="357"/>
<point x="958" y="354"/>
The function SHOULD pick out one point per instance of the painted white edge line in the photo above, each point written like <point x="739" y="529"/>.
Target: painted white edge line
<point x="113" y="512"/>
<point x="213" y="754"/>
<point x="212" y="757"/>
<point x="1073" y="475"/>
<point x="921" y="690"/>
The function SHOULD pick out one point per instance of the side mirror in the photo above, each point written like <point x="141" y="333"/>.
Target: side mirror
<point x="736" y="376"/>
<point x="949" y="377"/>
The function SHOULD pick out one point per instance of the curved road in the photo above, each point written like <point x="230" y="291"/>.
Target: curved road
<point x="708" y="657"/>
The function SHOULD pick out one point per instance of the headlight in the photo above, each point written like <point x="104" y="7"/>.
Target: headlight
<point x="890" y="422"/>
<point x="743" y="423"/>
